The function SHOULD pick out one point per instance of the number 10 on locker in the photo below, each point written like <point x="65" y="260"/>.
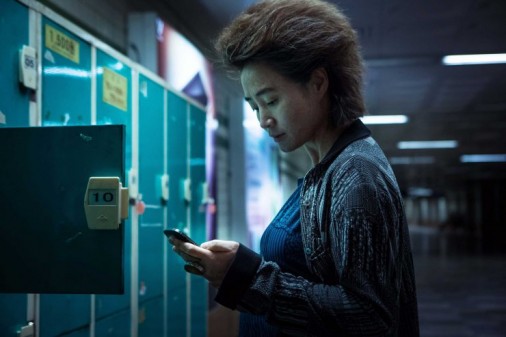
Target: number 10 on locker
<point x="105" y="203"/>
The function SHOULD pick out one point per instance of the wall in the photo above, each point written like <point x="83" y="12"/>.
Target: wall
<point x="104" y="19"/>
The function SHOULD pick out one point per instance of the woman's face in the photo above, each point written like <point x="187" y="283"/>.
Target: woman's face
<point x="292" y="113"/>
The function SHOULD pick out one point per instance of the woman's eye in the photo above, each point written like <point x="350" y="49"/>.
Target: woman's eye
<point x="272" y="102"/>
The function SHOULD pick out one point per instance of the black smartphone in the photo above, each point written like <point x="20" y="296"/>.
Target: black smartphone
<point x="178" y="234"/>
<point x="190" y="266"/>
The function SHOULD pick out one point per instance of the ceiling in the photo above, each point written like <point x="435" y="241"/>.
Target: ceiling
<point x="403" y="43"/>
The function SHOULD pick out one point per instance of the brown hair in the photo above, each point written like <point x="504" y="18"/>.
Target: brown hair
<point x="296" y="37"/>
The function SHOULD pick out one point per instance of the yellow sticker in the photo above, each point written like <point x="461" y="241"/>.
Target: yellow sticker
<point x="62" y="44"/>
<point x="115" y="89"/>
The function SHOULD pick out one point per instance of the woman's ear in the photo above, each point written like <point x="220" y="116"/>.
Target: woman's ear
<point x="319" y="81"/>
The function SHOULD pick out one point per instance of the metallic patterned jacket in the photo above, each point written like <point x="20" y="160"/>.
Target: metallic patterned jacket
<point x="356" y="242"/>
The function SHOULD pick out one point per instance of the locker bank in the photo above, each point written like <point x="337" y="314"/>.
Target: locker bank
<point x="142" y="143"/>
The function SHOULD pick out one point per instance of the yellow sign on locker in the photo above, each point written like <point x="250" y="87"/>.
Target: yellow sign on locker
<point x="62" y="44"/>
<point x="115" y="89"/>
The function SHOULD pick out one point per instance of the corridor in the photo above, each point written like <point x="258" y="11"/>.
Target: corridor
<point x="461" y="296"/>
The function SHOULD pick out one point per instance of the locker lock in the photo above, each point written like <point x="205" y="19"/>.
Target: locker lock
<point x="105" y="203"/>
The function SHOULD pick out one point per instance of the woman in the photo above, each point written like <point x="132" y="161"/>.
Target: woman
<point x="336" y="260"/>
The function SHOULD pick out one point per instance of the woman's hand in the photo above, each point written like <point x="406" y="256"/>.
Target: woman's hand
<point x="215" y="256"/>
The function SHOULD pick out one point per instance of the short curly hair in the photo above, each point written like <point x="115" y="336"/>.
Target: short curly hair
<point x="295" y="37"/>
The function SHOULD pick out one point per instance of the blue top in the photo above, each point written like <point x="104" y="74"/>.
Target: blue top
<point x="281" y="243"/>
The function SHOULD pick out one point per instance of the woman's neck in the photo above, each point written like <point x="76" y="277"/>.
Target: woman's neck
<point x="318" y="149"/>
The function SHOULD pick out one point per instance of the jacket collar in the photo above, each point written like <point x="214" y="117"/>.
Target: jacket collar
<point x="355" y="131"/>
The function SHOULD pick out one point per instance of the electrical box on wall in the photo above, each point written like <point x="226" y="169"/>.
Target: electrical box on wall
<point x="28" y="67"/>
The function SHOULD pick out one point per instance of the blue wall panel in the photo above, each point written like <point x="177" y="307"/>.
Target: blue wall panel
<point x="116" y="325"/>
<point x="13" y="34"/>
<point x="151" y="238"/>
<point x="79" y="333"/>
<point x="198" y="172"/>
<point x="14" y="106"/>
<point x="108" y="113"/>
<point x="150" y="318"/>
<point x="66" y="100"/>
<point x="66" y="82"/>
<point x="75" y="309"/>
<point x="111" y="114"/>
<point x="12" y="314"/>
<point x="177" y="214"/>
<point x="198" y="215"/>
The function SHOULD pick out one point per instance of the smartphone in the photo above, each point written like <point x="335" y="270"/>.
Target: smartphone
<point x="180" y="235"/>
<point x="191" y="266"/>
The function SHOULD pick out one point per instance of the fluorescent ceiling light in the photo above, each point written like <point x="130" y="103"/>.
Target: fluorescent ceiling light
<point x="385" y="119"/>
<point x="428" y="144"/>
<point x="454" y="60"/>
<point x="483" y="158"/>
<point x="412" y="160"/>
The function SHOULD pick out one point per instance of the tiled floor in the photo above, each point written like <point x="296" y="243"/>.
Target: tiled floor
<point x="461" y="296"/>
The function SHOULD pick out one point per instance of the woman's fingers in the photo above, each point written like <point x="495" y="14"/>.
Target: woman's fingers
<point x="211" y="260"/>
<point x="194" y="268"/>
<point x="185" y="256"/>
<point x="220" y="245"/>
<point x="188" y="251"/>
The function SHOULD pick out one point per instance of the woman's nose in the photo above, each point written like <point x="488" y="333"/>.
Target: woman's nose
<point x="266" y="121"/>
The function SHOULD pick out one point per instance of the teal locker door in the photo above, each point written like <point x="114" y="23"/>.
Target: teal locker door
<point x="75" y="309"/>
<point x="66" y="77"/>
<point x="116" y="325"/>
<point x="79" y="333"/>
<point x="151" y="238"/>
<point x="114" y="107"/>
<point x="176" y="207"/>
<point x="13" y="112"/>
<point x="198" y="215"/>
<point x="12" y="314"/>
<point x="66" y="100"/>
<point x="13" y="34"/>
<point x="45" y="243"/>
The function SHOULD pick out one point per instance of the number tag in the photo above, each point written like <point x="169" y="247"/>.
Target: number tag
<point x="102" y="197"/>
<point x="105" y="203"/>
<point x="61" y="43"/>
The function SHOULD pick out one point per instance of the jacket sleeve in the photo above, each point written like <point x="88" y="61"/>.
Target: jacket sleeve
<point x="361" y="302"/>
